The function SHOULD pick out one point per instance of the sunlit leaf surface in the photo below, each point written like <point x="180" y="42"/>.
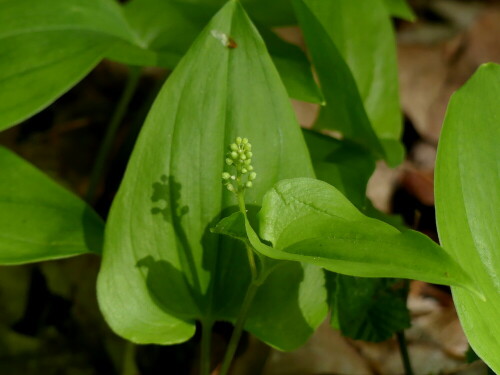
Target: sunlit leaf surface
<point x="468" y="204"/>
<point x="162" y="267"/>
<point x="40" y="220"/>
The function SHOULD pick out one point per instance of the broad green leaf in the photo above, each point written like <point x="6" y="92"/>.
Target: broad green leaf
<point x="362" y="308"/>
<point x="353" y="48"/>
<point x="159" y="252"/>
<point x="53" y="43"/>
<point x="367" y="309"/>
<point x="400" y="9"/>
<point x="40" y="220"/>
<point x="344" y="109"/>
<point x="342" y="164"/>
<point x="310" y="221"/>
<point x="468" y="204"/>
<point x="166" y="29"/>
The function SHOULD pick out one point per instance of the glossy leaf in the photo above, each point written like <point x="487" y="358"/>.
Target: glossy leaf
<point x="310" y="221"/>
<point x="53" y="43"/>
<point x="40" y="220"/>
<point x="468" y="204"/>
<point x="159" y="251"/>
<point x="400" y="9"/>
<point x="353" y="48"/>
<point x="368" y="309"/>
<point x="166" y="29"/>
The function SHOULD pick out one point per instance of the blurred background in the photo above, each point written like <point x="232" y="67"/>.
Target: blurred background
<point x="49" y="319"/>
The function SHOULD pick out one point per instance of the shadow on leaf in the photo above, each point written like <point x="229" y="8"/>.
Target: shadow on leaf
<point x="279" y="303"/>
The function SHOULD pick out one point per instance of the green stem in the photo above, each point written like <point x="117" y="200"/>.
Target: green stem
<point x="250" y="253"/>
<point x="129" y="367"/>
<point x="241" y="202"/>
<point x="257" y="281"/>
<point x="238" y="328"/>
<point x="206" y="339"/>
<point x="251" y="262"/>
<point x="105" y="148"/>
<point x="405" y="357"/>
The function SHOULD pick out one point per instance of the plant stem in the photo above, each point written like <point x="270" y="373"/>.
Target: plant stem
<point x="206" y="339"/>
<point x="116" y="120"/>
<point x="129" y="367"/>
<point x="250" y="254"/>
<point x="257" y="280"/>
<point x="403" y="348"/>
<point x="238" y="328"/>
<point x="241" y="202"/>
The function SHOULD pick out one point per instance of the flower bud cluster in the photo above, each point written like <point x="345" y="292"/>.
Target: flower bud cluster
<point x="240" y="158"/>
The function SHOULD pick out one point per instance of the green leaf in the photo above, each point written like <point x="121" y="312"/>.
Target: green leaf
<point x="344" y="109"/>
<point x="353" y="48"/>
<point x="367" y="309"/>
<point x="53" y="43"/>
<point x="159" y="253"/>
<point x="362" y="308"/>
<point x="294" y="68"/>
<point x="166" y="29"/>
<point x="468" y="204"/>
<point x="342" y="164"/>
<point x="285" y="297"/>
<point x="232" y="226"/>
<point x="400" y="9"/>
<point x="40" y="220"/>
<point x="270" y="13"/>
<point x="310" y="221"/>
<point x="395" y="220"/>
